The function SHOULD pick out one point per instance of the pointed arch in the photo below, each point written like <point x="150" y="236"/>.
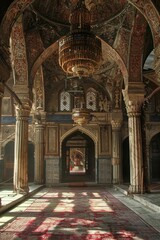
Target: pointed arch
<point x="83" y="130"/>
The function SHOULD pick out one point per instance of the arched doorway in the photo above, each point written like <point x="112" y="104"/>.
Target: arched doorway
<point x="30" y="162"/>
<point x="8" y="161"/>
<point x="155" y="158"/>
<point x="126" y="161"/>
<point x="78" y="158"/>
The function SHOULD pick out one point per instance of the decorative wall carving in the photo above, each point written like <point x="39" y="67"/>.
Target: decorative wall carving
<point x="105" y="140"/>
<point x="39" y="90"/>
<point x="34" y="47"/>
<point x="8" y="132"/>
<point x="52" y="140"/>
<point x="137" y="48"/>
<point x="18" y="50"/>
<point x="151" y="14"/>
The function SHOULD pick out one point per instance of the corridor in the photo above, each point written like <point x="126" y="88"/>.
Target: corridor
<point x="79" y="213"/>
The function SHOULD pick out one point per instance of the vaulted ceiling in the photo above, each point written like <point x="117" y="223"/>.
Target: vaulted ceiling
<point x="125" y="34"/>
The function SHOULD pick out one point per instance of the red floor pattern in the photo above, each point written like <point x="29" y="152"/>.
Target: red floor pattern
<point x="76" y="214"/>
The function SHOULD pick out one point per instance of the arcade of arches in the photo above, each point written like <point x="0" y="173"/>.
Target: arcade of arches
<point x="39" y="142"/>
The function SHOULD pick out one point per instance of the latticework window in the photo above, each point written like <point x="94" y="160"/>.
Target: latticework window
<point x="65" y="101"/>
<point x="91" y="100"/>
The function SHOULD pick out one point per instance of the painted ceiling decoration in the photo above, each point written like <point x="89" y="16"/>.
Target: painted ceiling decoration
<point x="128" y="31"/>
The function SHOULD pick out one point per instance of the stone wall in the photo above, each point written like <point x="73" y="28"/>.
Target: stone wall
<point x="104" y="170"/>
<point x="52" y="171"/>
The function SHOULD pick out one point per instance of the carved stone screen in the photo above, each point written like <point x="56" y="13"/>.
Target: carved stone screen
<point x="91" y="101"/>
<point x="65" y="101"/>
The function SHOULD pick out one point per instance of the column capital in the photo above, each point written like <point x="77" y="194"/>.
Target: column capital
<point x="116" y="124"/>
<point x="22" y="110"/>
<point x="134" y="97"/>
<point x="40" y="117"/>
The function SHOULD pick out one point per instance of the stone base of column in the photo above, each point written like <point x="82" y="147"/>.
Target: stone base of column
<point x="135" y="189"/>
<point x="23" y="191"/>
<point x="115" y="181"/>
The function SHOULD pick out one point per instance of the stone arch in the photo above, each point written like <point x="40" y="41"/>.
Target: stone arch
<point x="153" y="133"/>
<point x="83" y="130"/>
<point x="106" y="48"/>
<point x="146" y="7"/>
<point x="19" y="62"/>
<point x="152" y="16"/>
<point x="78" y="157"/>
<point x="14" y="11"/>
<point x="8" y="139"/>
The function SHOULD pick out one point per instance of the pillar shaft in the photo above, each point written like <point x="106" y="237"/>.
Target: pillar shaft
<point x="134" y="97"/>
<point x="20" y="180"/>
<point x="39" y="153"/>
<point x="136" y="157"/>
<point x="116" y="151"/>
<point x="1" y="157"/>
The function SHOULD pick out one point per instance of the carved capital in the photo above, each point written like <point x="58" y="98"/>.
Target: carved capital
<point x="116" y="124"/>
<point x="134" y="97"/>
<point x="22" y="111"/>
<point x="134" y="108"/>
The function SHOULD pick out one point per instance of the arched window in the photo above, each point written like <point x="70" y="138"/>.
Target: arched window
<point x="91" y="99"/>
<point x="65" y="101"/>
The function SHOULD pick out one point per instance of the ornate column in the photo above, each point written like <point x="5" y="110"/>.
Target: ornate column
<point x="20" y="180"/>
<point x="1" y="96"/>
<point x="39" y="149"/>
<point x="1" y="158"/>
<point x="116" y="151"/>
<point x="133" y="105"/>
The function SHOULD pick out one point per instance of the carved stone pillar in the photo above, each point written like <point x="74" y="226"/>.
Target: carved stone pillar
<point x="39" y="152"/>
<point x="20" y="180"/>
<point x="1" y="158"/>
<point x="116" y="151"/>
<point x="1" y="96"/>
<point x="133" y="97"/>
<point x="135" y="144"/>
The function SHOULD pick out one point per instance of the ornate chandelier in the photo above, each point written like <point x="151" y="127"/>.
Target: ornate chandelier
<point x="80" y="52"/>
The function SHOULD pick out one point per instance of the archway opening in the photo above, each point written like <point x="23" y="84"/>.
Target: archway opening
<point x="78" y="158"/>
<point x="8" y="162"/>
<point x="30" y="162"/>
<point x="155" y="158"/>
<point x="126" y="161"/>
